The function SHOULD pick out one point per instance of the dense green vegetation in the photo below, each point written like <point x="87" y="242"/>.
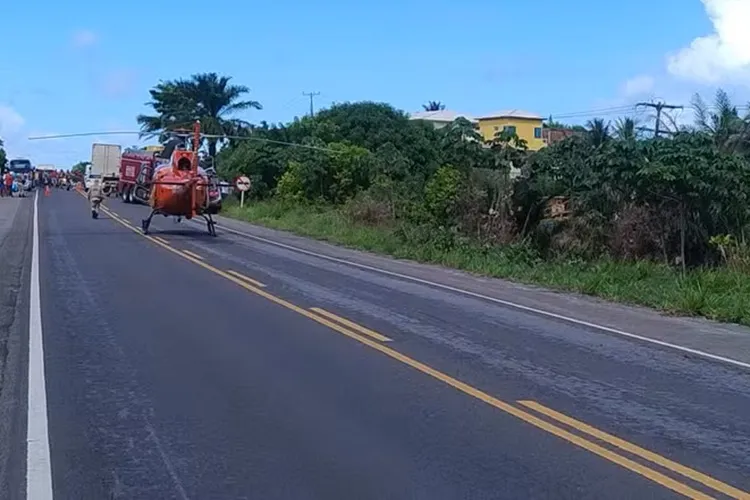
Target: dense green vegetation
<point x="79" y="168"/>
<point x="658" y="221"/>
<point x="3" y="157"/>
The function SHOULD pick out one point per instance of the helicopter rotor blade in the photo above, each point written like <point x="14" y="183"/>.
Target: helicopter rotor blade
<point x="186" y="135"/>
<point x="81" y="134"/>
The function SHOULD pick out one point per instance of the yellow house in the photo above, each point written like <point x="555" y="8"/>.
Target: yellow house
<point x="527" y="126"/>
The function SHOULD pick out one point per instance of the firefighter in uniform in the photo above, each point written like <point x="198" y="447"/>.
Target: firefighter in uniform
<point x="95" y="196"/>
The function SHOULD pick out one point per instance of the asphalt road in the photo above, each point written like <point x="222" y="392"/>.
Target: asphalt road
<point x="169" y="375"/>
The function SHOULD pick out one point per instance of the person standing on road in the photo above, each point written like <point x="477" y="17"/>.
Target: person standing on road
<point x="26" y="185"/>
<point x="95" y="196"/>
<point x="8" y="182"/>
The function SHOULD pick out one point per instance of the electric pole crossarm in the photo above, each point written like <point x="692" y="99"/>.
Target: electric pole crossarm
<point x="659" y="107"/>
<point x="311" y="95"/>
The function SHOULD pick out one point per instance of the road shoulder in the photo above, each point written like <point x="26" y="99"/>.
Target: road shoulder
<point x="16" y="217"/>
<point x="717" y="339"/>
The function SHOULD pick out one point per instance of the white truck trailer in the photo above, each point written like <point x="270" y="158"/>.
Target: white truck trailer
<point x="105" y="165"/>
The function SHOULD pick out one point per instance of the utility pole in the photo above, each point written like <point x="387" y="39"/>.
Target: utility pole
<point x="658" y="106"/>
<point x="311" y="95"/>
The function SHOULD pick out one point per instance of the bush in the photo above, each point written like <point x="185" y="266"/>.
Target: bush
<point x="365" y="209"/>
<point x="291" y="187"/>
<point x="442" y="195"/>
<point x="735" y="254"/>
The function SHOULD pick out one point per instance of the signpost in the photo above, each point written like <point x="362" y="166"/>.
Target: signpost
<point x="243" y="184"/>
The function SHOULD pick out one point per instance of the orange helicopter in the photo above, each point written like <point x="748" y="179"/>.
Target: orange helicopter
<point x="180" y="188"/>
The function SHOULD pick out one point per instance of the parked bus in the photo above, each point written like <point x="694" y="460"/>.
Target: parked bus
<point x="19" y="166"/>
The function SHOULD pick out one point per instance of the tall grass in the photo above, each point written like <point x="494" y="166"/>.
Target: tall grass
<point x="720" y="294"/>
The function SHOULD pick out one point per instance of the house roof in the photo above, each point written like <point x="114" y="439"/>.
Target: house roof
<point x="442" y="115"/>
<point x="512" y="113"/>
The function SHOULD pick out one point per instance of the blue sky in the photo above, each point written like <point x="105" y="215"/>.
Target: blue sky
<point x="84" y="66"/>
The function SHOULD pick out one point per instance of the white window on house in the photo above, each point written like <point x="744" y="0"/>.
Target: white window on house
<point x="537" y="132"/>
<point x="509" y="129"/>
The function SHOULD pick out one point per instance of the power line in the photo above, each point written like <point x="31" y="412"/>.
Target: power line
<point x="659" y="106"/>
<point x="605" y="111"/>
<point x="311" y="95"/>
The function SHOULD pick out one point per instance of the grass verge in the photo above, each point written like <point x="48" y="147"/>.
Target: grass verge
<point x="718" y="294"/>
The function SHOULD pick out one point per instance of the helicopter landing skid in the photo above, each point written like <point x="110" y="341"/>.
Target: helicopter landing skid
<point x="211" y="224"/>
<point x="146" y="223"/>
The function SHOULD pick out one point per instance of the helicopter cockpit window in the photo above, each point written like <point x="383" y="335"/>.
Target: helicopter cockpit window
<point x="183" y="164"/>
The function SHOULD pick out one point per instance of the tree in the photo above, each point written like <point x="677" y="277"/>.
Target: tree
<point x="207" y="97"/>
<point x="80" y="168"/>
<point x="598" y="131"/>
<point x="626" y="129"/>
<point x="706" y="187"/>
<point x="3" y="157"/>
<point x="433" y="106"/>
<point x="462" y="145"/>
<point x="552" y="123"/>
<point x="723" y="122"/>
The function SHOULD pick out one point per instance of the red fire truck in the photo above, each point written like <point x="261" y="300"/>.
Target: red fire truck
<point x="137" y="167"/>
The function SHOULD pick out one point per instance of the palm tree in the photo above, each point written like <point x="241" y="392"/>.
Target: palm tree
<point x="207" y="97"/>
<point x="722" y="120"/>
<point x="433" y="106"/>
<point x="598" y="131"/>
<point x="626" y="129"/>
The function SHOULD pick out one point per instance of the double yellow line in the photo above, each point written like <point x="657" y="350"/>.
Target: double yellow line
<point x="585" y="436"/>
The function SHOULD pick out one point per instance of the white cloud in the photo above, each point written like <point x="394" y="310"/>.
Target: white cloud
<point x="84" y="38"/>
<point x="119" y="83"/>
<point x="10" y="121"/>
<point x="723" y="56"/>
<point x="638" y="85"/>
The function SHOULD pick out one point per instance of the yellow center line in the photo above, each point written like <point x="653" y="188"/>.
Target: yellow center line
<point x="187" y="252"/>
<point x="117" y="217"/>
<point x="636" y="450"/>
<point x="525" y="416"/>
<point x="161" y="240"/>
<point x="354" y="326"/>
<point x="246" y="278"/>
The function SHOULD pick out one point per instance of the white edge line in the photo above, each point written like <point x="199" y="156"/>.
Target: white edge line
<point x="38" y="466"/>
<point x="521" y="307"/>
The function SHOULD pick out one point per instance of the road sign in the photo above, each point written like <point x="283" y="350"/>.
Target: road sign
<point x="242" y="183"/>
